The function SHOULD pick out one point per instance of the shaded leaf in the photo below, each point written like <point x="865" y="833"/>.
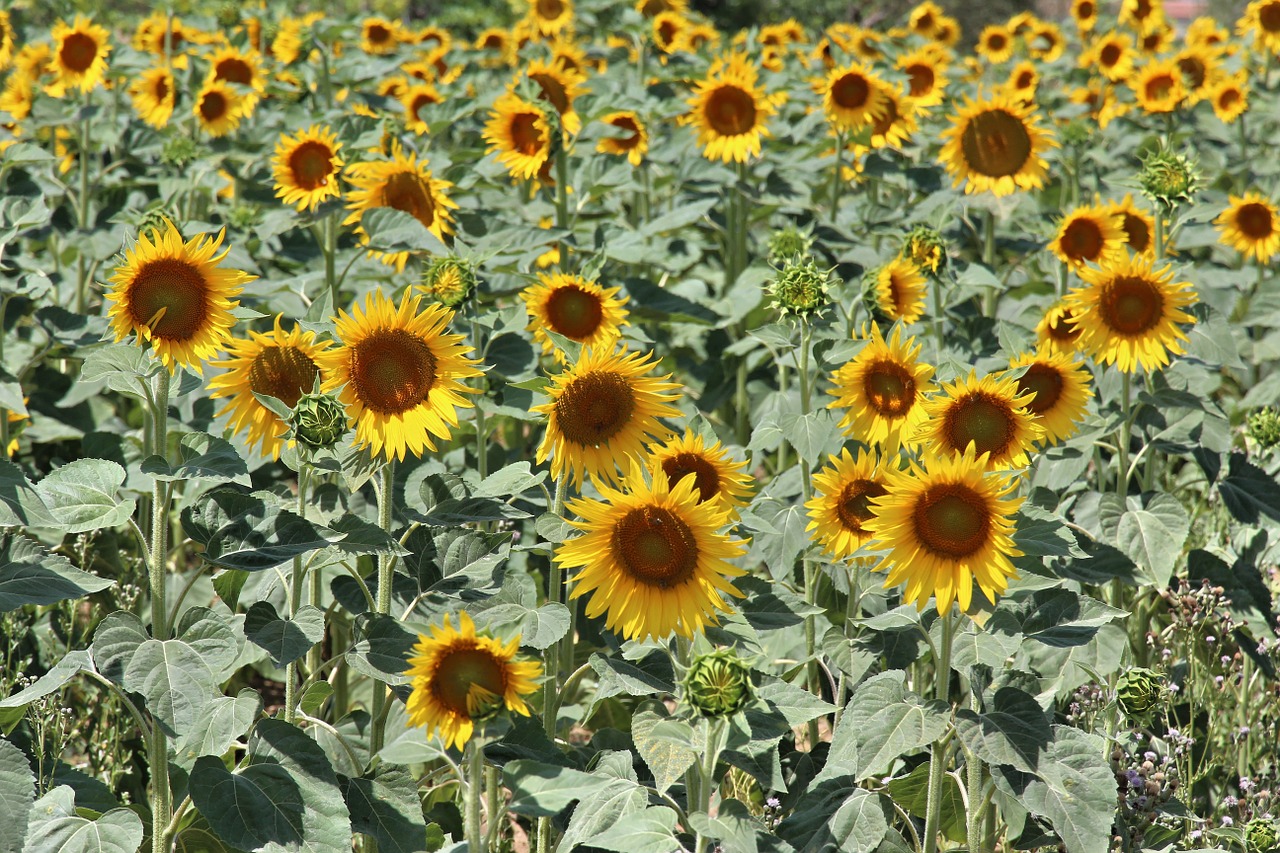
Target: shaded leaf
<point x="242" y="531"/>
<point x="200" y="457"/>
<point x="31" y="575"/>
<point x="17" y="792"/>
<point x="1014" y="731"/>
<point x="285" y="639"/>
<point x="387" y="807"/>
<point x="256" y="806"/>
<point x="225" y="721"/>
<point x="55" y="826"/>
<point x="82" y="495"/>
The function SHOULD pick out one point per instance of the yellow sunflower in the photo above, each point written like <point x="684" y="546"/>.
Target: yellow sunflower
<point x="1137" y="224"/>
<point x="883" y="387"/>
<point x="6" y="41"/>
<point x="1205" y="31"/>
<point x="164" y="37"/>
<point x="841" y="505"/>
<point x="652" y="557"/>
<point x="1200" y="68"/>
<point x="1251" y="226"/>
<point x="1157" y="40"/>
<point x="996" y="145"/>
<point x="379" y="36"/>
<point x="895" y="126"/>
<point x="715" y="476"/>
<point x="1230" y="97"/>
<point x="153" y="95"/>
<point x="852" y="96"/>
<point x="79" y="54"/>
<point x="1057" y="331"/>
<point x="404" y="183"/>
<point x="653" y="8"/>
<point x="926" y="76"/>
<point x="551" y="17"/>
<point x="243" y="69"/>
<point x="1128" y="314"/>
<point x="576" y="308"/>
<point x="279" y="364"/>
<point x="1262" y="20"/>
<point x="1045" y="42"/>
<point x="602" y="411"/>
<point x="924" y="19"/>
<point x="559" y="87"/>
<point x="306" y="167"/>
<point x="1023" y="80"/>
<point x="172" y="294"/>
<point x="1060" y="388"/>
<point x="730" y="110"/>
<point x="949" y="524"/>
<point x="518" y="132"/>
<point x="1158" y="86"/>
<point x="1089" y="235"/>
<point x="218" y="108"/>
<point x="496" y="41"/>
<point x="460" y="677"/>
<point x="668" y="31"/>
<point x="900" y="290"/>
<point x="414" y="99"/>
<point x="398" y="369"/>
<point x="1111" y="54"/>
<point x="630" y="138"/>
<point x="1085" y="14"/>
<point x="990" y="413"/>
<point x="995" y="44"/>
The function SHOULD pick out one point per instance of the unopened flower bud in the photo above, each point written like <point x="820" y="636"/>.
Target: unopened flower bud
<point x="800" y="288"/>
<point x="718" y="684"/>
<point x="1138" y="693"/>
<point x="319" y="421"/>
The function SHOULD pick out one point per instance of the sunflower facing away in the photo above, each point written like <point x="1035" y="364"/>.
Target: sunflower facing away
<point x="398" y="369"/>
<point x="414" y="99"/>
<point x="852" y="97"/>
<point x="990" y="413"/>
<point x="949" y="524"/>
<point x="601" y="411"/>
<point x="1251" y="226"/>
<point x="576" y="308"/>
<point x="404" y="183"/>
<point x="153" y="95"/>
<point x="996" y="145"/>
<point x="1137" y="224"/>
<point x="1089" y="235"/>
<point x="841" y="507"/>
<point x="306" y="167"/>
<point x="518" y="132"/>
<point x="715" y="475"/>
<point x="1112" y="54"/>
<point x="1060" y="388"/>
<point x="218" y="108"/>
<point x="79" y="56"/>
<point x="729" y="109"/>
<point x="900" y="290"/>
<point x="559" y="87"/>
<point x="460" y="677"/>
<point x="883" y="388"/>
<point x="1129" y="314"/>
<point x="652" y="557"/>
<point x="279" y="364"/>
<point x="627" y="137"/>
<point x="1057" y="331"/>
<point x="173" y="294"/>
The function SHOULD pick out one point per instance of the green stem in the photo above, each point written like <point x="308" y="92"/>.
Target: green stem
<point x="82" y="211"/>
<point x="161" y="797"/>
<point x="782" y="390"/>
<point x="331" y="259"/>
<point x="562" y="202"/>
<point x="386" y="563"/>
<point x="493" y="805"/>
<point x="939" y="315"/>
<point x="551" y="665"/>
<point x="297" y="578"/>
<point x="977" y="804"/>
<point x="836" y="182"/>
<point x="991" y="295"/>
<point x="1122" y="439"/>
<point x="1158" y="239"/>
<point x="475" y="776"/>
<point x="741" y="404"/>
<point x="809" y="569"/>
<point x="941" y="690"/>
<point x="482" y="432"/>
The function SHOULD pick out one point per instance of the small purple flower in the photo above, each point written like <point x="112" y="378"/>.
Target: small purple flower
<point x="1246" y="784"/>
<point x="1210" y="639"/>
<point x="1229" y="802"/>
<point x="1227" y="821"/>
<point x="773" y="803"/>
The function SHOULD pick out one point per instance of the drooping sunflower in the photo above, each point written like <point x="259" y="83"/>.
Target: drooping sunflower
<point x="243" y="69"/>
<point x="414" y="99"/>
<point x="1251" y="226"/>
<point x="399" y="371"/>
<point x="995" y="44"/>
<point x="218" y="108"/>
<point x="460" y="677"/>
<point x="852" y="96"/>
<point x="405" y="183"/>
<point x="1112" y="54"/>
<point x="1261" y="19"/>
<point x="79" y="54"/>
<point x="840" y="507"/>
<point x="602" y="411"/>
<point x="559" y="87"/>
<point x="551" y="17"/>
<point x="883" y="387"/>
<point x="630" y="138"/>
<point x="950" y="525"/>
<point x="1137" y="224"/>
<point x="1057" y="332"/>
<point x="716" y="477"/>
<point x="1129" y="314"/>
<point x="1230" y="97"/>
<point x="900" y="290"/>
<point x="576" y="308"/>
<point x="730" y="110"/>
<point x="518" y="132"/>
<point x="306" y="167"/>
<point x="279" y="364"/>
<point x="17" y="96"/>
<point x="1092" y="234"/>
<point x="926" y="72"/>
<point x="990" y="413"/>
<point x="1158" y="86"/>
<point x="379" y="36"/>
<point x="997" y="145"/>
<point x="1060" y="389"/>
<point x="174" y="295"/>
<point x="1205" y="31"/>
<point x="652" y="557"/>
<point x="153" y="95"/>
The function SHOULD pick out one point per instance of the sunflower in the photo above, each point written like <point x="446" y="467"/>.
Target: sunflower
<point x="900" y="290"/>
<point x="163" y="36"/>
<point x="1230" y="97"/>
<point x="79" y="55"/>
<point x="495" y="40"/>
<point x="403" y="183"/>
<point x="1199" y="68"/>
<point x="278" y="364"/>
<point x="218" y="108"/>
<point x="1128" y="314"/>
<point x="895" y="126"/>
<point x="1157" y="40"/>
<point x="1262" y="20"/>
<point x="1142" y="15"/>
<point x="153" y="94"/>
<point x="398" y="369"/>
<point x="924" y="19"/>
<point x="852" y="96"/>
<point x="414" y="99"/>
<point x="700" y="35"/>
<point x="1099" y="97"/>
<point x="1111" y="54"/>
<point x="1045" y="42"/>
<point x="1205" y="31"/>
<point x="601" y="411"/>
<point x="551" y="17"/>
<point x="1085" y="14"/>
<point x="668" y="31"/>
<point x="730" y="110"/>
<point x="1059" y="385"/>
<point x="653" y="8"/>
<point x="431" y="37"/>
<point x="576" y="308"/>
<point x="379" y="36"/>
<point x="633" y="141"/>
<point x="1251" y="226"/>
<point x="519" y="133"/>
<point x="926" y="76"/>
<point x="306" y="167"/>
<point x="1089" y="235"/>
<point x="715" y="476"/>
<point x="995" y="44"/>
<point x="6" y="41"/>
<point x="459" y="677"/>
<point x="883" y="387"/>
<point x="1137" y="224"/>
<point x="1023" y="80"/>
<point x="841" y="506"/>
<point x="559" y="87"/>
<point x="990" y="413"/>
<point x="949" y="524"/>
<point x="1057" y="331"/>
<point x="652" y="557"/>
<point x="996" y="145"/>
<point x="173" y="294"/>
<point x="1158" y="86"/>
<point x="243" y="69"/>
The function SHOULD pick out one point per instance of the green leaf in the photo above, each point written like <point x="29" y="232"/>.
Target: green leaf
<point x="315" y="697"/>
<point x="383" y="650"/>
<point x="648" y="831"/>
<point x="601" y="812"/>
<point x="31" y="575"/>
<point x="81" y="495"/>
<point x="1060" y="617"/>
<point x="212" y="635"/>
<point x="364" y="537"/>
<point x="13" y="708"/>
<point x="387" y="807"/>
<point x="256" y="806"/>
<point x="17" y="791"/>
<point x="795" y="704"/>
<point x="444" y="502"/>
<point x="514" y="479"/>
<point x="733" y="826"/>
<point x="836" y="816"/>
<point x="20" y="504"/>
<point x="890" y="722"/>
<point x="1153" y="537"/>
<point x="1014" y="731"/>
<point x="115" y="641"/>
<point x="615" y="676"/>
<point x="667" y="759"/>
<point x="56" y="827"/>
<point x="814" y="435"/>
<point x="392" y="230"/>
<point x="285" y="639"/>
<point x="1248" y="492"/>
<point x="174" y="681"/>
<point x="543" y="790"/>
<point x="989" y="645"/>
<point x="126" y="369"/>
<point x="912" y="793"/>
<point x="539" y="627"/>
<point x="1076" y="790"/>
<point x="201" y="457"/>
<point x="326" y="827"/>
<point x="222" y="724"/>
<point x="242" y="531"/>
<point x="1042" y="534"/>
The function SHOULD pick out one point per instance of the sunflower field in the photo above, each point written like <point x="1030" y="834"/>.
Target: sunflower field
<point x="611" y="433"/>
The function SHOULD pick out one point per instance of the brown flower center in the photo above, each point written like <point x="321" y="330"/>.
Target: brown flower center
<point x="213" y="106"/>
<point x="1085" y="11"/>
<point x="922" y="79"/>
<point x="377" y="34"/>
<point x="594" y="407"/>
<point x="407" y="191"/>
<point x="1136" y="233"/>
<point x="1131" y="305"/>
<point x="851" y="91"/>
<point x="525" y="135"/>
<point x="1083" y="240"/>
<point x="1159" y="87"/>
<point x="981" y="418"/>
<point x="160" y="89"/>
<point x="170" y="296"/>
<point x="1269" y="17"/>
<point x="890" y="388"/>
<point x="666" y="33"/>
<point x="462" y="667"/>
<point x="311" y="164"/>
<point x="682" y="465"/>
<point x="886" y="121"/>
<point x="1045" y="382"/>
<point x="1254" y="220"/>
<point x="996" y="42"/>
<point x="628" y="124"/>
<point x="1228" y="98"/>
<point x="553" y="92"/>
<point x="995" y="143"/>
<point x="655" y="547"/>
<point x="731" y="111"/>
<point x="574" y="312"/>
<point x="952" y="520"/>
<point x="78" y="52"/>
<point x="392" y="370"/>
<point x="1193" y="71"/>
<point x="285" y="373"/>
<point x="549" y="10"/>
<point x="234" y="70"/>
<point x="854" y="505"/>
<point x="1063" y="327"/>
<point x="1110" y="54"/>
<point x="420" y="100"/>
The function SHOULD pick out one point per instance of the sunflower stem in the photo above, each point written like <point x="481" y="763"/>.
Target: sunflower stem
<point x="782" y="390"/>
<point x="493" y="805"/>
<point x="1157" y="242"/>
<point x="835" y="179"/>
<point x="82" y="214"/>
<point x="991" y="295"/>
<point x="297" y="578"/>
<point x="562" y="203"/>
<point x="809" y="570"/>
<point x="939" y="315"/>
<point x="977" y="804"/>
<point x="331" y="259"/>
<point x="475" y="785"/>
<point x="551" y="664"/>
<point x="937" y="758"/>
<point x="161" y="797"/>
<point x="386" y="493"/>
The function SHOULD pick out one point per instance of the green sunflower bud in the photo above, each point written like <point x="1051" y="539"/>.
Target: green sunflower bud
<point x="1264" y="427"/>
<point x="800" y="288"/>
<point x="450" y="281"/>
<point x="179" y="150"/>
<point x="1076" y="133"/>
<point x="155" y="218"/>
<point x="925" y="247"/>
<point x="718" y="684"/>
<point x="1139" y="692"/>
<point x="319" y="421"/>
<point x="1261" y="836"/>
<point x="228" y="15"/>
<point x="788" y="243"/>
<point x="1168" y="177"/>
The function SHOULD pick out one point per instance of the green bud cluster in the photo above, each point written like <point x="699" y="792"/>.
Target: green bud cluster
<point x="1138" y="693"/>
<point x="718" y="684"/>
<point x="800" y="288"/>
<point x="787" y="244"/>
<point x="450" y="281"/>
<point x="1168" y="177"/>
<point x="1261" y="835"/>
<point x="1264" y="427"/>
<point x="319" y="421"/>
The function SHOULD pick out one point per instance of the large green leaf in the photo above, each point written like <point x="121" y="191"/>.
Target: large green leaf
<point x="601" y="812"/>
<point x="667" y="758"/>
<point x="326" y="825"/>
<point x="222" y="724"/>
<point x="912" y="793"/>
<point x="1013" y="731"/>
<point x="82" y="495"/>
<point x="890" y="722"/>
<point x="1074" y="788"/>
<point x="1152" y="536"/>
<point x="393" y="230"/>
<point x="212" y="634"/>
<point x="200" y="457"/>
<point x="794" y="704"/>
<point x="175" y="682"/>
<point x="31" y="575"/>
<point x="1248" y="492"/>
<point x="387" y="807"/>
<point x="56" y="827"/>
<point x="20" y="504"/>
<point x="649" y="831"/>
<point x="252" y="808"/>
<point x="733" y="826"/>
<point x="836" y="815"/>
<point x="240" y="530"/>
<point x="285" y="639"/>
<point x="382" y="650"/>
<point x="543" y="790"/>
<point x="115" y="641"/>
<point x="17" y="791"/>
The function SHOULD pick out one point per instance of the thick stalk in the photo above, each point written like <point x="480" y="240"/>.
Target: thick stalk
<point x="836" y="182"/>
<point x="386" y="493"/>
<point x="977" y="803"/>
<point x="493" y="805"/>
<point x="297" y="578"/>
<point x="941" y="691"/>
<point x="810" y="571"/>
<point x="161" y="797"/>
<point x="475" y="776"/>
<point x="562" y="202"/>
<point x="1157" y="243"/>
<point x="331" y="259"/>
<point x="992" y="295"/>
<point x="551" y="666"/>
<point x="939" y="314"/>
<point x="741" y="404"/>
<point x="82" y="212"/>
<point x="703" y="776"/>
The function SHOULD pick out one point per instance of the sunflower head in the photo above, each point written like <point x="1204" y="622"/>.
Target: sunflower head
<point x="1168" y="177"/>
<point x="899" y="290"/>
<point x="153" y="93"/>
<point x="1139" y="692"/>
<point x="1251" y="226"/>
<point x="519" y="132"/>
<point x="1230" y="97"/>
<point x="576" y="308"/>
<point x="405" y="183"/>
<point x="1089" y="235"/>
<point x="79" y="53"/>
<point x="628" y="136"/>
<point x="306" y="167"/>
<point x="715" y="476"/>
<point x="841" y="508"/>
<point x="800" y="288"/>
<point x="1059" y="386"/>
<point x="996" y="145"/>
<point x="990" y="414"/>
<point x="883" y="389"/>
<point x="319" y="421"/>
<point x="1261" y="19"/>
<point x="1057" y="331"/>
<point x="450" y="280"/>
<point x="730" y="110"/>
<point x="853" y="97"/>
<point x="718" y="684"/>
<point x="1158" y="86"/>
<point x="218" y="108"/>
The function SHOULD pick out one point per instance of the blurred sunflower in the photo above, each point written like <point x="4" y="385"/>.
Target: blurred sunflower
<point x="730" y="109"/>
<point x="1158" y="87"/>
<point x="379" y="36"/>
<point x="404" y="183"/>
<point x="430" y="37"/>
<point x="950" y="525"/>
<point x="165" y="38"/>
<point x="570" y="56"/>
<point x="1261" y="19"/>
<point x="1085" y="14"/>
<point x="518" y="132"/>
<point x="1093" y="234"/>
<point x="900" y="290"/>
<point x="924" y="19"/>
<point x="1157" y="40"/>
<point x="895" y="126"/>
<point x="551" y="17"/>
<point x="601" y="411"/>
<point x="79" y="53"/>
<point x="1129" y="314"/>
<point x="1230" y="97"/>
<point x="6" y="41"/>
<point x="1111" y="54"/>
<point x="415" y="98"/>
<point x="172" y="294"/>
<point x="576" y="308"/>
<point x="1045" y="42"/>
<point x="990" y="413"/>
<point x="1205" y="31"/>
<point x="153" y="95"/>
<point x="633" y="141"/>
<point x="242" y="68"/>
<point x="841" y="505"/>
<point x="715" y="476"/>
<point x="1137" y="224"/>
<point x="668" y="31"/>
<point x="995" y="44"/>
<point x="1142" y="15"/>
<point x="1023" y="80"/>
<point x="306" y="167"/>
<point x="926" y="75"/>
<point x="398" y="369"/>
<point x="460" y="677"/>
<point x="653" y="8"/>
<point x="1060" y="388"/>
<point x="652" y="557"/>
<point x="497" y="41"/>
<point x="883" y="387"/>
<point x="559" y="87"/>
<point x="278" y="364"/>
<point x="1199" y="69"/>
<point x="996" y="144"/>
<point x="852" y="96"/>
<point x="1251" y="226"/>
<point x="1057" y="332"/>
<point x="218" y="108"/>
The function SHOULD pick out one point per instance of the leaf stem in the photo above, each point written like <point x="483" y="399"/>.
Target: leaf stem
<point x="297" y="577"/>
<point x="937" y="759"/>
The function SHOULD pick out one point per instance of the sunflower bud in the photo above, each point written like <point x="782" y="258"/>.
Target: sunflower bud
<point x="1260" y="835"/>
<point x="179" y="150"/>
<point x="1264" y="427"/>
<point x="718" y="684"/>
<point x="787" y="244"/>
<point x="319" y="421"/>
<point x="449" y="281"/>
<point x="154" y="219"/>
<point x="228" y="15"/>
<point x="1168" y="177"/>
<point x="925" y="248"/>
<point x="1076" y="133"/>
<point x="800" y="288"/>
<point x="1138" y="692"/>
